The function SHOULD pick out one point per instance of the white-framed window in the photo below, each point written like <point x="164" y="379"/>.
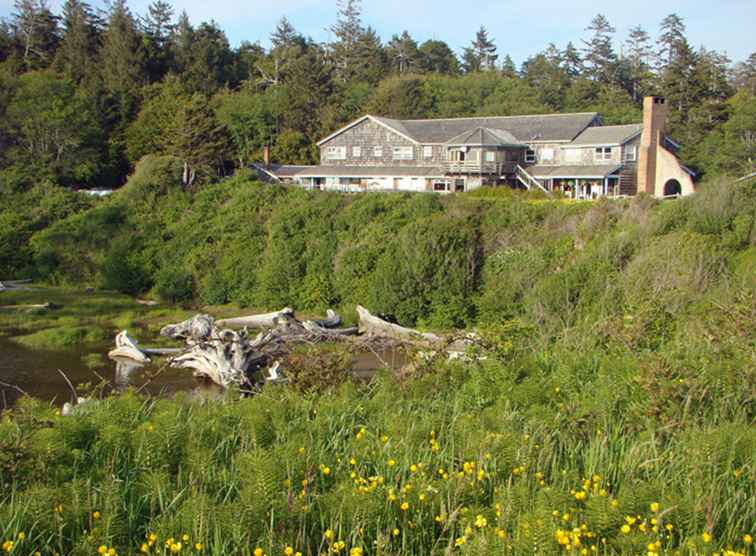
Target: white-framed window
<point x="427" y="151"/>
<point x="530" y="155"/>
<point x="490" y="156"/>
<point x="572" y="155"/>
<point x="631" y="153"/>
<point x="378" y="151"/>
<point x="602" y="154"/>
<point x="403" y="153"/>
<point x="356" y="152"/>
<point x="547" y="155"/>
<point x="336" y="153"/>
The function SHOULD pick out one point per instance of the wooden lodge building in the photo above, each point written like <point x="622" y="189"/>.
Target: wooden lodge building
<point x="571" y="153"/>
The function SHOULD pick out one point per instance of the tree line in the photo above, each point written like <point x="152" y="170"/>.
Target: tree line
<point x="85" y="94"/>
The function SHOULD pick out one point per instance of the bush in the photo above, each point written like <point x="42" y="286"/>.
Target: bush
<point x="174" y="284"/>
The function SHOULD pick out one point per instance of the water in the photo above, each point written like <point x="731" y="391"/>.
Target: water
<point x="36" y="372"/>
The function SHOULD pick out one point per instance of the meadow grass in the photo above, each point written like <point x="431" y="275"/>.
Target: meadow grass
<point x="499" y="456"/>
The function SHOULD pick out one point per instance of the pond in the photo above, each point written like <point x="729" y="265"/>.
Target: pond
<point x="45" y="373"/>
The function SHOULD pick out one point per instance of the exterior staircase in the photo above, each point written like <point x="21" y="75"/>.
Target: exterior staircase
<point x="529" y="181"/>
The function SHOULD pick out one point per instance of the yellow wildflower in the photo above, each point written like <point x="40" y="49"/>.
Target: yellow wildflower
<point x="102" y="549"/>
<point x="21" y="536"/>
<point x="289" y="551"/>
<point x="625" y="529"/>
<point x="706" y="537"/>
<point x="480" y="521"/>
<point x="258" y="552"/>
<point x="395" y="532"/>
<point x="145" y="548"/>
<point x="356" y="551"/>
<point x="654" y="506"/>
<point x="748" y="539"/>
<point x="405" y="506"/>
<point x="328" y="534"/>
<point x="198" y="546"/>
<point x="460" y="541"/>
<point x="185" y="537"/>
<point x="391" y="462"/>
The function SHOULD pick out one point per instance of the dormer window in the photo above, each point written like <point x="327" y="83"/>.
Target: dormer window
<point x="602" y="154"/>
<point x="530" y="156"/>
<point x="356" y="152"/>
<point x="378" y="151"/>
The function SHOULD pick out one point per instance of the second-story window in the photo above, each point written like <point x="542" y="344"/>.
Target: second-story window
<point x="356" y="152"/>
<point x="490" y="156"/>
<point x="530" y="156"/>
<point x="571" y="155"/>
<point x="630" y="153"/>
<point x="547" y="155"/>
<point x="403" y="153"/>
<point x="378" y="151"/>
<point x="427" y="151"/>
<point x="602" y="153"/>
<point x="336" y="153"/>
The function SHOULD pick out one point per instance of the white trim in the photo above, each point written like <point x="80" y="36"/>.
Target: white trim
<point x="360" y="120"/>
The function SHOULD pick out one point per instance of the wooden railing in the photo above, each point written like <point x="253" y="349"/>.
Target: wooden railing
<point x="529" y="181"/>
<point x="478" y="167"/>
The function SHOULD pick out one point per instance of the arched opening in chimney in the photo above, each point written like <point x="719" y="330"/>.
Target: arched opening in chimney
<point x="672" y="187"/>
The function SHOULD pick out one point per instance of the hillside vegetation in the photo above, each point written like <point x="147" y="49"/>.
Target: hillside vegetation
<point x="612" y="413"/>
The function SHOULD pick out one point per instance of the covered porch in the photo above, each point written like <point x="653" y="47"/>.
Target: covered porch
<point x="579" y="182"/>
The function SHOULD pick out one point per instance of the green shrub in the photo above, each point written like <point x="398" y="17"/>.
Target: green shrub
<point x="174" y="284"/>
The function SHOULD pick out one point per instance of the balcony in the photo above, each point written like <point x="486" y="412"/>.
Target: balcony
<point x="478" y="167"/>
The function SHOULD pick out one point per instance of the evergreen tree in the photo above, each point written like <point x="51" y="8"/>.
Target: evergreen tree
<point x="6" y="41"/>
<point x="401" y="97"/>
<point x="638" y="55"/>
<point x="158" y="28"/>
<point x="671" y="38"/>
<point x="121" y="60"/>
<point x="679" y="84"/>
<point x="307" y="88"/>
<point x="481" y="54"/>
<point x="36" y="32"/>
<point x="284" y="35"/>
<point x="744" y="74"/>
<point x="508" y="68"/>
<point x="437" y="57"/>
<point x="198" y="140"/>
<point x="78" y="45"/>
<point x="599" y="52"/>
<point x="734" y="148"/>
<point x="370" y="62"/>
<point x="572" y="61"/>
<point x="210" y="62"/>
<point x="546" y="75"/>
<point x="403" y="53"/>
<point x="181" y="43"/>
<point x="347" y="30"/>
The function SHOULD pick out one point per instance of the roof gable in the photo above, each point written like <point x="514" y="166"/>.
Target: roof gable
<point x="393" y="125"/>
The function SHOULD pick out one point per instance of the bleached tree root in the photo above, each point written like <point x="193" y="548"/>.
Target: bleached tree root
<point x="127" y="348"/>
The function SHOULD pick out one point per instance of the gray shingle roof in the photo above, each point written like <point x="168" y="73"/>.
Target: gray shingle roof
<point x="572" y="171"/>
<point x="608" y="134"/>
<point x="485" y="136"/>
<point x="369" y="171"/>
<point x="543" y="127"/>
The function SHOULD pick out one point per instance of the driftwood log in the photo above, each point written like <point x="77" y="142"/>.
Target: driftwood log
<point x="231" y="357"/>
<point x="376" y="326"/>
<point x="7" y="285"/>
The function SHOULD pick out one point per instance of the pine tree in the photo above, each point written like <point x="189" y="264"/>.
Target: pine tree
<point x="181" y="43"/>
<point x="437" y="57"/>
<point x="79" y="42"/>
<point x="671" y="38"/>
<point x="679" y="84"/>
<point x="211" y="62"/>
<point x="370" y="61"/>
<point x="572" y="61"/>
<point x="121" y="59"/>
<point x="544" y="73"/>
<point x="284" y="35"/>
<point x="36" y="32"/>
<point x="403" y="53"/>
<point x="198" y="140"/>
<point x="158" y="28"/>
<point x="638" y="54"/>
<point x="599" y="53"/>
<point x="508" y="68"/>
<point x="347" y="30"/>
<point x="744" y="74"/>
<point x="307" y="88"/>
<point x="481" y="54"/>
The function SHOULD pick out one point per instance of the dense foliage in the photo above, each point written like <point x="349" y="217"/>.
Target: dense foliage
<point x="85" y="95"/>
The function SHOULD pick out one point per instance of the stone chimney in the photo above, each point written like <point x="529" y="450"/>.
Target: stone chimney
<point x="654" y="119"/>
<point x="266" y="155"/>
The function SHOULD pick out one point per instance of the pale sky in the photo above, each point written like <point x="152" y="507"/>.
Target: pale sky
<point x="519" y="27"/>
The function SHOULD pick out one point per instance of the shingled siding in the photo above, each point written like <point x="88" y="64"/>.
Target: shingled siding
<point x="587" y="155"/>
<point x="369" y="134"/>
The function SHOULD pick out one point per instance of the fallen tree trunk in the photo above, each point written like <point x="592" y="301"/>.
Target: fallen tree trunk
<point x="47" y="305"/>
<point x="265" y="320"/>
<point x="7" y="285"/>
<point x="376" y="326"/>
